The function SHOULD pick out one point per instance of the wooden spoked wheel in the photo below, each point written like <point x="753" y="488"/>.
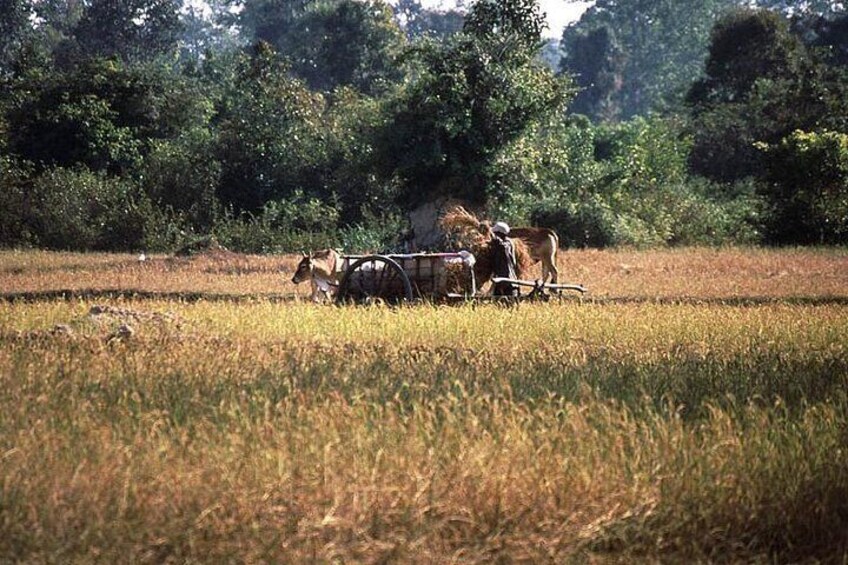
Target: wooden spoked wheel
<point x="374" y="277"/>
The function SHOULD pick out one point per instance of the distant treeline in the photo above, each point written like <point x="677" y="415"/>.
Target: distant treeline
<point x="277" y="125"/>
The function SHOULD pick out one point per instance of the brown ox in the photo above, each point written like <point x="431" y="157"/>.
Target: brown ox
<point x="543" y="244"/>
<point x="321" y="268"/>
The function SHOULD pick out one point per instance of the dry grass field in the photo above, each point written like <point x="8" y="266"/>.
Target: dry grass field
<point x="692" y="407"/>
<point x="705" y="274"/>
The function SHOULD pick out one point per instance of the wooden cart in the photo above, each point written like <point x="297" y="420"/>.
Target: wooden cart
<point x="406" y="277"/>
<point x="430" y="276"/>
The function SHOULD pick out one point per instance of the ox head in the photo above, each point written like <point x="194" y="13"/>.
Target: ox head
<point x="304" y="269"/>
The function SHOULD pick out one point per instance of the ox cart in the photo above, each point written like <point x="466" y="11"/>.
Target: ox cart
<point x="405" y="277"/>
<point x="430" y="276"/>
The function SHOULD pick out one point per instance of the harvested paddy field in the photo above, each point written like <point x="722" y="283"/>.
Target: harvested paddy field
<point x="692" y="406"/>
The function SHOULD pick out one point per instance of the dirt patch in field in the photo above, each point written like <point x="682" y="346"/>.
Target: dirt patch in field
<point x="108" y="323"/>
<point x="109" y="314"/>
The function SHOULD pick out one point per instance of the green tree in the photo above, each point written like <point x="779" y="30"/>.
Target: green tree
<point x="516" y="24"/>
<point x="747" y="45"/>
<point x="14" y="29"/>
<point x="418" y="21"/>
<point x="761" y="84"/>
<point x="829" y="35"/>
<point x="345" y="43"/>
<point x="60" y="17"/>
<point x="269" y="20"/>
<point x="102" y="114"/>
<point x="54" y="22"/>
<point x="552" y="163"/>
<point x="805" y="8"/>
<point x="269" y="141"/>
<point x="207" y="29"/>
<point x="15" y="202"/>
<point x="651" y="52"/>
<point x="663" y="45"/>
<point x="180" y="175"/>
<point x="472" y="96"/>
<point x="128" y="29"/>
<point x="352" y="123"/>
<point x="596" y="61"/>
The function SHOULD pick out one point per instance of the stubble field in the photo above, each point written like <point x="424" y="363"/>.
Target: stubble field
<point x="692" y="407"/>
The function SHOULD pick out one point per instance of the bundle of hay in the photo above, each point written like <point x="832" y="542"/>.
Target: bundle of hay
<point x="471" y="233"/>
<point x="457" y="278"/>
<point x="465" y="229"/>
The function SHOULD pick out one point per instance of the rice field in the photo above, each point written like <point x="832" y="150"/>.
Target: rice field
<point x="693" y="407"/>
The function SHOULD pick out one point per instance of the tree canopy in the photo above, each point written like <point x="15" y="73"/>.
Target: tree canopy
<point x="282" y="124"/>
<point x="472" y="96"/>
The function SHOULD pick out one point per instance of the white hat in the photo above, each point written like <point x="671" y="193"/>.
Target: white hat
<point x="501" y="228"/>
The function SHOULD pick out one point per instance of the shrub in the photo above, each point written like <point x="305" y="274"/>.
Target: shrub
<point x="695" y="212"/>
<point x="282" y="226"/>
<point x="301" y="213"/>
<point x="709" y="214"/>
<point x="808" y="187"/>
<point x="375" y="233"/>
<point x="182" y="175"/>
<point x="641" y="194"/>
<point x="14" y="203"/>
<point x="585" y="224"/>
<point x="82" y="210"/>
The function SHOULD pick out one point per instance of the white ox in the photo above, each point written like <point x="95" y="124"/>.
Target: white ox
<point x="321" y="268"/>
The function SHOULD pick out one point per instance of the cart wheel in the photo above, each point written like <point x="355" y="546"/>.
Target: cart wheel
<point x="374" y="276"/>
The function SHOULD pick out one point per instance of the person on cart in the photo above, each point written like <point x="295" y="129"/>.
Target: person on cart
<point x="504" y="262"/>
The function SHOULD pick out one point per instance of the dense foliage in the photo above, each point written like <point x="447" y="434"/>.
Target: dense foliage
<point x="276" y="124"/>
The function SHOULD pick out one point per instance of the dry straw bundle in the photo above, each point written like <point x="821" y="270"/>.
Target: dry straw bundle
<point x="466" y="229"/>
<point x="470" y="232"/>
<point x="457" y="278"/>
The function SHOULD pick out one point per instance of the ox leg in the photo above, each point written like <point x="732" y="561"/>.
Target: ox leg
<point x="549" y="272"/>
<point x="554" y="271"/>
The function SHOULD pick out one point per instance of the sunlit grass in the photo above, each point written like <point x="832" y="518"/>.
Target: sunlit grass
<point x="646" y="329"/>
<point x="276" y="431"/>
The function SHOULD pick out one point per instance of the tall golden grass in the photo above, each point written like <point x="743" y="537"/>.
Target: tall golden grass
<point x="267" y="431"/>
